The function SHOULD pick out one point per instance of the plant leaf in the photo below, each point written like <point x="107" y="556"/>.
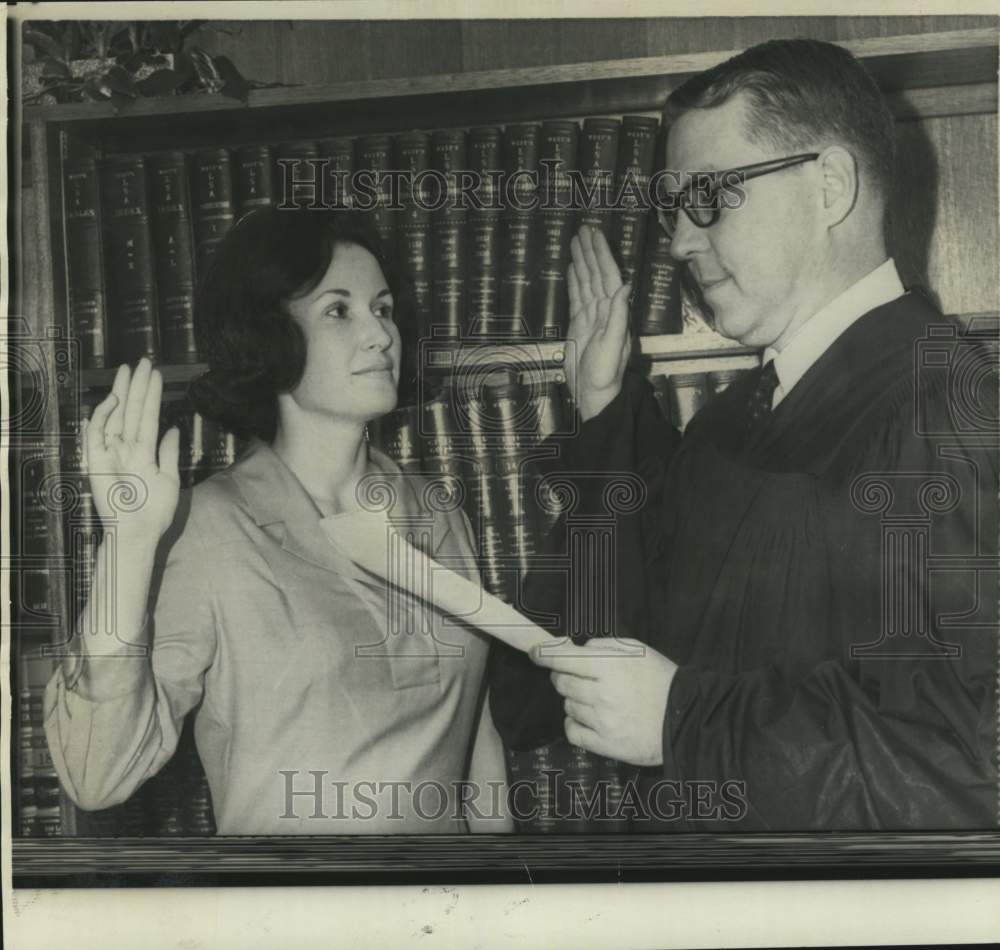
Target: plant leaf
<point x="119" y="101"/>
<point x="183" y="65"/>
<point x="130" y="62"/>
<point x="164" y="36"/>
<point x="190" y="26"/>
<point x="95" y="89"/>
<point x="205" y="69"/>
<point x="56" y="67"/>
<point x="43" y="44"/>
<point x="160" y="83"/>
<point x="235" y="86"/>
<point x="120" y="43"/>
<point x="119" y="81"/>
<point x="226" y="69"/>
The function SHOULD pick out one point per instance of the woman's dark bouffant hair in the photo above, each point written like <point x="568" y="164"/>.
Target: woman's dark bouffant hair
<point x="254" y="348"/>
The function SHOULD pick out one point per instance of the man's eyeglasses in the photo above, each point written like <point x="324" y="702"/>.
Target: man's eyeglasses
<point x="708" y="192"/>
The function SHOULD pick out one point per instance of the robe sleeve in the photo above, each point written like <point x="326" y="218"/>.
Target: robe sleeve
<point x="900" y="732"/>
<point x="104" y="746"/>
<point x="629" y="436"/>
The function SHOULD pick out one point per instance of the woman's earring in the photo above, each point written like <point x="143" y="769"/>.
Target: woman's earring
<point x="367" y="436"/>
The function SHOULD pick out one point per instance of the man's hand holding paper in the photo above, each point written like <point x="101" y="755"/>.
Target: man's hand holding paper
<point x="615" y="694"/>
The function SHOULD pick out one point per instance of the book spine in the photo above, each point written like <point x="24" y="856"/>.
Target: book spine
<point x="205" y="447"/>
<point x="492" y="560"/>
<point x="550" y="409"/>
<point x="693" y="318"/>
<point x="469" y="413"/>
<point x="449" y="225"/>
<point x="221" y="447"/>
<point x="26" y="822"/>
<point x="413" y="156"/>
<point x="398" y="435"/>
<point x="489" y="517"/>
<point x="38" y="783"/>
<point x="661" y="393"/>
<point x="196" y="816"/>
<point x="484" y="231"/>
<point x="689" y="392"/>
<point x="439" y="430"/>
<point x="212" y="195"/>
<point x="87" y="299"/>
<point x="580" y="773"/>
<point x="339" y="153"/>
<point x="512" y="480"/>
<point x="192" y="450"/>
<point x="31" y="540"/>
<point x="636" y="156"/>
<point x="173" y="239"/>
<point x="538" y="771"/>
<point x="167" y="795"/>
<point x="613" y="777"/>
<point x="719" y="380"/>
<point x="129" y="242"/>
<point x="438" y="425"/>
<point x="47" y="792"/>
<point x="558" y="149"/>
<point x="518" y="238"/>
<point x="82" y="527"/>
<point x="597" y="160"/>
<point x="299" y="175"/>
<point x="374" y="157"/>
<point x="253" y="171"/>
<point x="658" y="305"/>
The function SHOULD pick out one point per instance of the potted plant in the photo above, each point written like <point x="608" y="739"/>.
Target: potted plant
<point x="119" y="61"/>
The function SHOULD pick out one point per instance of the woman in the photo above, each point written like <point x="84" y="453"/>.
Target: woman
<point x="313" y="715"/>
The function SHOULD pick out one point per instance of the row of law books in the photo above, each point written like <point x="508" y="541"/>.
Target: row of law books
<point x="681" y="395"/>
<point x="480" y="445"/>
<point x="480" y="221"/>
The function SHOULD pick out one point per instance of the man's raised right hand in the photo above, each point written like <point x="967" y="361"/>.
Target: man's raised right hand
<point x="598" y="324"/>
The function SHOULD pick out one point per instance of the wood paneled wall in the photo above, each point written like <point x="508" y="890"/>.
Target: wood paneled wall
<point x="945" y="212"/>
<point x="327" y="51"/>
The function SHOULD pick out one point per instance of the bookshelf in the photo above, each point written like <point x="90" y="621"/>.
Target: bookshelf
<point x="944" y="76"/>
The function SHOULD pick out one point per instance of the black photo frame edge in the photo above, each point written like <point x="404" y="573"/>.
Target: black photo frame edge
<point x="500" y="859"/>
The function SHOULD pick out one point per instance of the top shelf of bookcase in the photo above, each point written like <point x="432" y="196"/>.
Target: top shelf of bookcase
<point x="900" y="64"/>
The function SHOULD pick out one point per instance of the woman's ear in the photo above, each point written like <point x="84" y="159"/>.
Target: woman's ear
<point x="839" y="182"/>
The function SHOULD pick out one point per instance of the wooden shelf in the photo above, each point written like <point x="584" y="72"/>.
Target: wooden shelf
<point x="467" y="356"/>
<point x="691" y="346"/>
<point x="448" y="355"/>
<point x="174" y="374"/>
<point x="903" y="65"/>
<point x="899" y="62"/>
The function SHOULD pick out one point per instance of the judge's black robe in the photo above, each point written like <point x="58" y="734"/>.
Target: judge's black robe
<point x="757" y="564"/>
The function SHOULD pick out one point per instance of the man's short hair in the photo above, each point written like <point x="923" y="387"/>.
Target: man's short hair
<point x="801" y="93"/>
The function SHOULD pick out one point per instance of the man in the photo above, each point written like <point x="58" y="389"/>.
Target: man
<point x="814" y="569"/>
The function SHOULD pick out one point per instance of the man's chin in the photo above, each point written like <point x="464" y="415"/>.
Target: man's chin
<point x="729" y="324"/>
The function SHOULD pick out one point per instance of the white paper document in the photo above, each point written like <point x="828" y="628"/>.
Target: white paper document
<point x="364" y="536"/>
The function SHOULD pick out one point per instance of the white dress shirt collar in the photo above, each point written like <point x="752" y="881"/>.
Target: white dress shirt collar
<point x="816" y="335"/>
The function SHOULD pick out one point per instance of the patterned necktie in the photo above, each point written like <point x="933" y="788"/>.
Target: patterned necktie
<point x="762" y="396"/>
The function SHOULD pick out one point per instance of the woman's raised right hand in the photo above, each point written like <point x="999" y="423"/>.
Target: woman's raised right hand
<point x="134" y="487"/>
